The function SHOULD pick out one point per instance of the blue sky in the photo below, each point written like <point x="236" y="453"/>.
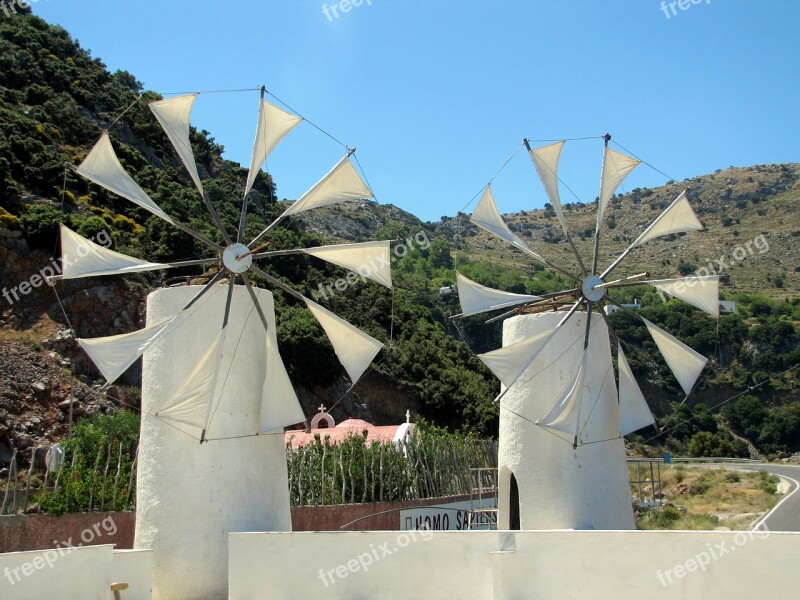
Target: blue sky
<point x="437" y="94"/>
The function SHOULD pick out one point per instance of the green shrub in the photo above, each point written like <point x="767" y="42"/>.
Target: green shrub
<point x="96" y="442"/>
<point x="40" y="225"/>
<point x="7" y="220"/>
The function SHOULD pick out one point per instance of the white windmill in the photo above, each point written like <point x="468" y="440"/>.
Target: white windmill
<point x="556" y="367"/>
<point x="211" y="364"/>
<point x="236" y="260"/>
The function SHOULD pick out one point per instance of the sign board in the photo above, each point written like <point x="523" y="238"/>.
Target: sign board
<point x="453" y="516"/>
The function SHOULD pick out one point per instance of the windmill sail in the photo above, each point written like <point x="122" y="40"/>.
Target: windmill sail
<point x="102" y="167"/>
<point x="685" y="363"/>
<point x="564" y="416"/>
<point x="191" y="403"/>
<point x="340" y="184"/>
<point x="510" y="362"/>
<point x="633" y="410"/>
<point x="616" y="167"/>
<point x="273" y="125"/>
<point x="173" y="115"/>
<point x="677" y="218"/>
<point x="546" y="159"/>
<point x="476" y="298"/>
<point x="83" y="258"/>
<point x="279" y="405"/>
<point x="486" y="216"/>
<point x="370" y="259"/>
<point x="701" y="292"/>
<point x="354" y="348"/>
<point x="113" y="355"/>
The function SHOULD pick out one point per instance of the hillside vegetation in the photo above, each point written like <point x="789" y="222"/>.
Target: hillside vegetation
<point x="55" y="99"/>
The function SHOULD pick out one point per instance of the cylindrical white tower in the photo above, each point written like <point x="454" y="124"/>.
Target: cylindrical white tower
<point x="543" y="482"/>
<point x="190" y="496"/>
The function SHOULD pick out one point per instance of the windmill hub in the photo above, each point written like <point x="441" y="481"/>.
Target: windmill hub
<point x="590" y="290"/>
<point x="237" y="258"/>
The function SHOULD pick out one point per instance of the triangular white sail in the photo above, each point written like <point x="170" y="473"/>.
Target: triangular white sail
<point x="279" y="405"/>
<point x="174" y="115"/>
<point x="354" y="348"/>
<point x="476" y="298"/>
<point x="273" y="125"/>
<point x="565" y="413"/>
<point x="510" y="362"/>
<point x="616" y="167"/>
<point x="113" y="355"/>
<point x="191" y="403"/>
<point x="83" y="258"/>
<point x="633" y="410"/>
<point x="701" y="292"/>
<point x="342" y="183"/>
<point x="685" y="363"/>
<point x="102" y="166"/>
<point x="545" y="159"/>
<point x="677" y="218"/>
<point x="370" y="259"/>
<point x="486" y="216"/>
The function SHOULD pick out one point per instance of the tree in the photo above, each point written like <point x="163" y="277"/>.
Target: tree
<point x="716" y="445"/>
<point x="440" y="254"/>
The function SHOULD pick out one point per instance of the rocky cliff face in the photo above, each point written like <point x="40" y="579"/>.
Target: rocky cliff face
<point x="42" y="369"/>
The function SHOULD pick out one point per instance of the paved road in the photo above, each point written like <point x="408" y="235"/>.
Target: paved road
<point x="785" y="516"/>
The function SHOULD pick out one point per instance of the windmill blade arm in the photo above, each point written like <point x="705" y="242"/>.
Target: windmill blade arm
<point x="81" y="257"/>
<point x="102" y="167"/>
<point x="249" y="285"/>
<point x="216" y="218"/>
<point x="618" y="260"/>
<point x="354" y="348"/>
<point x="228" y="301"/>
<point x="278" y="283"/>
<point x="371" y="260"/>
<point x="476" y="298"/>
<point x="685" y="363"/>
<point x="205" y="289"/>
<point x="700" y="292"/>
<point x="678" y="217"/>
<point x="174" y="115"/>
<point x="151" y="267"/>
<point x="545" y="160"/>
<point x="341" y="183"/>
<point x="198" y="236"/>
<point x="571" y="312"/>
<point x="266" y="230"/>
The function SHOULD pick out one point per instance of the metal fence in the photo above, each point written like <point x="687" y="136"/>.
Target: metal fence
<point x="319" y="473"/>
<point x="71" y="483"/>
<point x="355" y="471"/>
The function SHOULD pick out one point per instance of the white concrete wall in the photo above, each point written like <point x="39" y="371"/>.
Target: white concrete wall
<point x="190" y="496"/>
<point x="523" y="565"/>
<point x="80" y="573"/>
<point x="561" y="487"/>
<point x="134" y="567"/>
